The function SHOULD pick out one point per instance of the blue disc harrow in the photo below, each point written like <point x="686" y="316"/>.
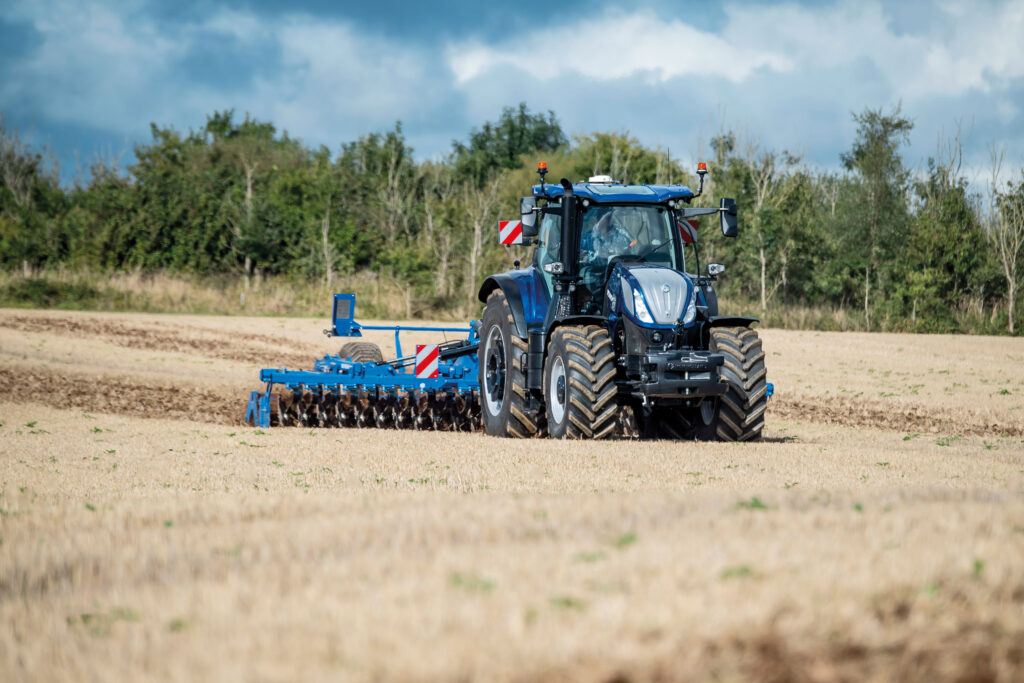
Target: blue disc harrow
<point x="435" y="388"/>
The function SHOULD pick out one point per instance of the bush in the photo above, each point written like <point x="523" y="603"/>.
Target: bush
<point x="41" y="292"/>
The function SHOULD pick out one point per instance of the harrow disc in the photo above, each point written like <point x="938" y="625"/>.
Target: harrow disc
<point x="379" y="408"/>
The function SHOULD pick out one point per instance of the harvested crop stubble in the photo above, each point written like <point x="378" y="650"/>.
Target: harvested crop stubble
<point x="834" y="550"/>
<point x="130" y="546"/>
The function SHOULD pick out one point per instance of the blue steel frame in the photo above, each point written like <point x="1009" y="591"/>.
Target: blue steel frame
<point x="457" y="367"/>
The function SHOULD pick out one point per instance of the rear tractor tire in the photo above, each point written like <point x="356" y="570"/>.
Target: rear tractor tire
<point x="741" y="408"/>
<point x="361" y="352"/>
<point x="579" y="383"/>
<point x="504" y="399"/>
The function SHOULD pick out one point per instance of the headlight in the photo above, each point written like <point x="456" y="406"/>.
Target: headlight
<point x="691" y="308"/>
<point x="640" y="307"/>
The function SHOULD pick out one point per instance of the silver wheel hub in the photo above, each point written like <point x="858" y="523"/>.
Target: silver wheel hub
<point x="557" y="390"/>
<point x="494" y="371"/>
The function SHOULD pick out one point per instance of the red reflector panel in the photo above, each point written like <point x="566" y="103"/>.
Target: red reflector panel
<point x="688" y="231"/>
<point x="510" y="232"/>
<point x="426" y="361"/>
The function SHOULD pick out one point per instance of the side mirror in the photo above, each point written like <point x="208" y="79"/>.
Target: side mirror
<point x="528" y="216"/>
<point x="727" y="211"/>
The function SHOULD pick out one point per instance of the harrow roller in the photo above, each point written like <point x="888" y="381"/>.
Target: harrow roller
<point x="412" y="409"/>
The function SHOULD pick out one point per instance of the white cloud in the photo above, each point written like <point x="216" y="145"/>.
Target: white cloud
<point x="618" y="45"/>
<point x="961" y="47"/>
<point x="964" y="47"/>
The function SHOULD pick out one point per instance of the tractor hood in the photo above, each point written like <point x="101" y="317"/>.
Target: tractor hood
<point x="667" y="294"/>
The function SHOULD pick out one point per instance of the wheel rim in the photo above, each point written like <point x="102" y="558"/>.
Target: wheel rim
<point x="556" y="390"/>
<point x="494" y="370"/>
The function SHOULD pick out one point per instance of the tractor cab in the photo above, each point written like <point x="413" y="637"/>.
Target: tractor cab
<point x="609" y="223"/>
<point x="610" y="234"/>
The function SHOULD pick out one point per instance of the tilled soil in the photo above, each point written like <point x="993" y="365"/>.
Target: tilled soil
<point x="258" y="349"/>
<point x="869" y="413"/>
<point x="975" y="649"/>
<point x="124" y="396"/>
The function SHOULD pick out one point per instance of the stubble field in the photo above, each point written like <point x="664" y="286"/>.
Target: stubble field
<point x="876" y="534"/>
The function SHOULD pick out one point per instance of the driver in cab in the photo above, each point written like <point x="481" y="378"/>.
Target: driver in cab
<point x="609" y="237"/>
<point x="605" y="240"/>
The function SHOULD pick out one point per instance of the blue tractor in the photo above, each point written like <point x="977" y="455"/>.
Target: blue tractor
<point x="610" y="331"/>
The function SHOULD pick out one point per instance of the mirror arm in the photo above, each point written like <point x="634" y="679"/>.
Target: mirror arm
<point x="693" y="212"/>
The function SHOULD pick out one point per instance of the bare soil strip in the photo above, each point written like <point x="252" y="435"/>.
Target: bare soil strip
<point x="122" y="395"/>
<point x="898" y="417"/>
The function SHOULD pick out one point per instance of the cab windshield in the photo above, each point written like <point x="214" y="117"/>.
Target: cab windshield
<point x="631" y="231"/>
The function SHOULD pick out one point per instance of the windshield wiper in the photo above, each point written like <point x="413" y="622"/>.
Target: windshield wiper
<point x="654" y="249"/>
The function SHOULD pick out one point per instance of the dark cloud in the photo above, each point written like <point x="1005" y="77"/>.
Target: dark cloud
<point x="226" y="62"/>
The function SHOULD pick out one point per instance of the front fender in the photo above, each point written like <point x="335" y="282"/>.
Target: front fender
<point x="513" y="295"/>
<point x="731" y="321"/>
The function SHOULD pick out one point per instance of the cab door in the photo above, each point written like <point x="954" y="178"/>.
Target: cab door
<point x="548" y="249"/>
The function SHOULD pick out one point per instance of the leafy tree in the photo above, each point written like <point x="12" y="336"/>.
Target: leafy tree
<point x="876" y="227"/>
<point x="238" y="197"/>
<point x="946" y="253"/>
<point x="30" y="198"/>
<point x="499" y="145"/>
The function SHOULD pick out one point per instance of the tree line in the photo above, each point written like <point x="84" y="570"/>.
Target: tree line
<point x="894" y="248"/>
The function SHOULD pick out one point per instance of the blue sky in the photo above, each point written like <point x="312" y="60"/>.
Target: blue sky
<point x="88" y="77"/>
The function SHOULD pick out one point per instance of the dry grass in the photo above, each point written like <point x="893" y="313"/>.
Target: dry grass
<point x="227" y="294"/>
<point x="173" y="549"/>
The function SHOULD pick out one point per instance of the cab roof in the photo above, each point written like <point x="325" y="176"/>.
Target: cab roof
<point x="617" y="192"/>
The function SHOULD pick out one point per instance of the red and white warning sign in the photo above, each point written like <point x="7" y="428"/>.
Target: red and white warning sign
<point x="511" y="232"/>
<point x="426" y="361"/>
<point x="688" y="230"/>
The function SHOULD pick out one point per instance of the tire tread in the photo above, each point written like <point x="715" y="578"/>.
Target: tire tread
<point x="741" y="409"/>
<point x="591" y="409"/>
